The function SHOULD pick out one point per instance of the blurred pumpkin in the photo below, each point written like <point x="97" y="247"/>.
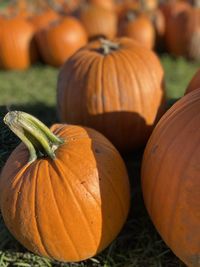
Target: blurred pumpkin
<point x="98" y="21"/>
<point x="17" y="47"/>
<point x="60" y="40"/>
<point x="137" y="26"/>
<point x="66" y="194"/>
<point x="181" y="42"/>
<point x="115" y="87"/>
<point x="43" y="19"/>
<point x="170" y="178"/>
<point x="108" y="4"/>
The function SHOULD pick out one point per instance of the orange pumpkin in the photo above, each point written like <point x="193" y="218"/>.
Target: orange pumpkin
<point x="98" y="21"/>
<point x="115" y="87"/>
<point x="183" y="42"/>
<point x="194" y="83"/>
<point x="68" y="196"/>
<point x="137" y="26"/>
<point x="60" y="40"/>
<point x="20" y="53"/>
<point x="170" y="178"/>
<point x="43" y="19"/>
<point x="108" y="4"/>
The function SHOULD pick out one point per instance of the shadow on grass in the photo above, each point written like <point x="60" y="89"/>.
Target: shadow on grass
<point x="138" y="244"/>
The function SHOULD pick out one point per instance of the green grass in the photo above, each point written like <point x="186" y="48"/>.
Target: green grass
<point x="138" y="244"/>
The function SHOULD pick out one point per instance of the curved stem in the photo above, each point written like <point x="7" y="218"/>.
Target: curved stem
<point x="34" y="134"/>
<point x="107" y="46"/>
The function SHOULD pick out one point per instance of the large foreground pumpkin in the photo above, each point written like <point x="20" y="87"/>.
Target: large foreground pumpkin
<point x="71" y="199"/>
<point x="170" y="178"/>
<point x="115" y="87"/>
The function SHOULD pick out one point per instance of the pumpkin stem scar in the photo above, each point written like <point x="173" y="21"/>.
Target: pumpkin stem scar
<point x="107" y="46"/>
<point x="34" y="134"/>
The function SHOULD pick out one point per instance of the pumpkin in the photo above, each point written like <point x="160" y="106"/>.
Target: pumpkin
<point x="20" y="53"/>
<point x="64" y="192"/>
<point x="98" y="21"/>
<point x="115" y="87"/>
<point x="179" y="42"/>
<point x="170" y="178"/>
<point x="43" y="19"/>
<point x="60" y="40"/>
<point x="194" y="83"/>
<point x="108" y="4"/>
<point x="158" y="21"/>
<point x="137" y="26"/>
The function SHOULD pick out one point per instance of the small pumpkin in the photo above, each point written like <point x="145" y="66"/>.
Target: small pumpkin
<point x="137" y="26"/>
<point x="170" y="178"/>
<point x="179" y="42"/>
<point x="20" y="53"/>
<point x="115" y="87"/>
<point x="60" y="40"/>
<point x="98" y="21"/>
<point x="194" y="83"/>
<point x="64" y="192"/>
<point x="43" y="19"/>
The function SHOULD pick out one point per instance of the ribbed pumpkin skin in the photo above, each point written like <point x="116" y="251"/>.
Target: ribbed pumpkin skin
<point x="60" y="40"/>
<point x="170" y="178"/>
<point x="70" y="208"/>
<point x="120" y="94"/>
<point x="194" y="83"/>
<point x="98" y="21"/>
<point x="140" y="29"/>
<point x="17" y="49"/>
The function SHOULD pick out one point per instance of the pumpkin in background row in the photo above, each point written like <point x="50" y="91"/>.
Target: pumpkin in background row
<point x="183" y="42"/>
<point x="17" y="47"/>
<point x="194" y="83"/>
<point x="108" y="4"/>
<point x="98" y="21"/>
<point x="170" y="178"/>
<point x="60" y="40"/>
<point x="137" y="26"/>
<point x="68" y="196"/>
<point x="115" y="87"/>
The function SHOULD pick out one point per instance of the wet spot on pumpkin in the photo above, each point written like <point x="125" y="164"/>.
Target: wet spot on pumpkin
<point x="97" y="151"/>
<point x="154" y="149"/>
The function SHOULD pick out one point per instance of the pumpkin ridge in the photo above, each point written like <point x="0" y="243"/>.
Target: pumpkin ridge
<point x="153" y="200"/>
<point x="87" y="74"/>
<point x="60" y="170"/>
<point x="118" y="89"/>
<point x="118" y="196"/>
<point x="39" y="233"/>
<point x="135" y="80"/>
<point x="60" y="213"/>
<point x="177" y="196"/>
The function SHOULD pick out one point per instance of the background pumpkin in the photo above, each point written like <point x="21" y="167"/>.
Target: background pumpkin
<point x="183" y="43"/>
<point x="70" y="204"/>
<point x="170" y="178"/>
<point x="116" y="88"/>
<point x="60" y="40"/>
<point x="98" y="21"/>
<point x="137" y="26"/>
<point x="20" y="53"/>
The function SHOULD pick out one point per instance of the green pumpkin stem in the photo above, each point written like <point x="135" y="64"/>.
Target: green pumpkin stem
<point x="107" y="46"/>
<point x="34" y="134"/>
